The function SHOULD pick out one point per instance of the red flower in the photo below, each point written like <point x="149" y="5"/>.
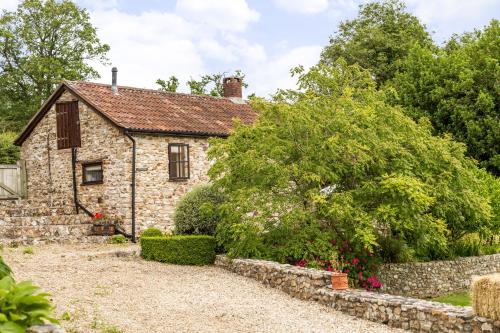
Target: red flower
<point x="97" y="215"/>
<point x="301" y="263"/>
<point x="333" y="241"/>
<point x="329" y="268"/>
<point x="355" y="261"/>
<point x="346" y="270"/>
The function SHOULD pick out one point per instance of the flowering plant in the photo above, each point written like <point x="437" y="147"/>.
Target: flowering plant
<point x="100" y="218"/>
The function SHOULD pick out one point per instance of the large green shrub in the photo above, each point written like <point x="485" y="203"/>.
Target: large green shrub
<point x="152" y="232"/>
<point x="335" y="152"/>
<point x="179" y="249"/>
<point x="197" y="212"/>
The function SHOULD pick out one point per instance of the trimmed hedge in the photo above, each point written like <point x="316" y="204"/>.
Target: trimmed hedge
<point x="179" y="249"/>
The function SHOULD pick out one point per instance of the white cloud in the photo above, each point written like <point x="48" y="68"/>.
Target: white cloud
<point x="302" y="6"/>
<point x="446" y="17"/>
<point x="225" y="15"/>
<point x="8" y="4"/>
<point x="148" y="46"/>
<point x="268" y="76"/>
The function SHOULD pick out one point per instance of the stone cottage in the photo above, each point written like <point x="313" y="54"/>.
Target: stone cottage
<point x="127" y="152"/>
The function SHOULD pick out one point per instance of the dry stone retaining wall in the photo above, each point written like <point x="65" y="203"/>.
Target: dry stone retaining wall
<point x="435" y="278"/>
<point x="396" y="311"/>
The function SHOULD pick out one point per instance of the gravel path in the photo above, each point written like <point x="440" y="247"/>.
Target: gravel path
<point x="113" y="295"/>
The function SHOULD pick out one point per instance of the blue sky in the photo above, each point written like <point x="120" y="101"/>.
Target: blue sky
<point x="153" y="39"/>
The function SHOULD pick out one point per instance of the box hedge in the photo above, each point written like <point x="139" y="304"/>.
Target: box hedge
<point x="179" y="249"/>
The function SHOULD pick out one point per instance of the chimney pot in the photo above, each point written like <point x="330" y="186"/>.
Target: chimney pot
<point x="114" y="74"/>
<point x="232" y="87"/>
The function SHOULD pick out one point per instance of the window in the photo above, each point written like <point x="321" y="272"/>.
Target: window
<point x="92" y="173"/>
<point x="178" y="161"/>
<point x="68" y="125"/>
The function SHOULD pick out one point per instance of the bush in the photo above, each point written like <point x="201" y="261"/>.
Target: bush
<point x="179" y="249"/>
<point x="118" y="239"/>
<point x="9" y="153"/>
<point x="4" y="269"/>
<point x="152" y="232"/>
<point x="197" y="212"/>
<point x="22" y="306"/>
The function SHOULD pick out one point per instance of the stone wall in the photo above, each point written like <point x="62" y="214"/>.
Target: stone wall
<point x="435" y="278"/>
<point x="396" y="311"/>
<point x="157" y="195"/>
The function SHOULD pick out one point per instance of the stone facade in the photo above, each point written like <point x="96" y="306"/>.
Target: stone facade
<point x="157" y="196"/>
<point x="408" y="313"/>
<point x="48" y="212"/>
<point x="428" y="279"/>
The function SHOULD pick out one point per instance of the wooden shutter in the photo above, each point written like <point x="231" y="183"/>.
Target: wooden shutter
<point x="68" y="125"/>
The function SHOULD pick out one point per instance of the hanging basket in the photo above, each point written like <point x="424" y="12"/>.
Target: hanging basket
<point x="339" y="281"/>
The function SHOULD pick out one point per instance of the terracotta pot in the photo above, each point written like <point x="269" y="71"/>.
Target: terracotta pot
<point x="103" y="229"/>
<point x="339" y="281"/>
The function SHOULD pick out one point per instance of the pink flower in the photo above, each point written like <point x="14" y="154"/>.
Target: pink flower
<point x="301" y="263"/>
<point x="355" y="261"/>
<point x="329" y="268"/>
<point x="333" y="241"/>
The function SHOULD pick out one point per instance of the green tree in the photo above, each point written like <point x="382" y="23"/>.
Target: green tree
<point x="335" y="156"/>
<point x="378" y="38"/>
<point x="9" y="153"/>
<point x="169" y="85"/>
<point x="211" y="84"/>
<point x="41" y="43"/>
<point x="458" y="89"/>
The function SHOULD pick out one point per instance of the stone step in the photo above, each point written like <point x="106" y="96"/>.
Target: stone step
<point x="34" y="220"/>
<point x="34" y="234"/>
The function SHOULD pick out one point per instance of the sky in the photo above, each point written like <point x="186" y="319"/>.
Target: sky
<point x="153" y="39"/>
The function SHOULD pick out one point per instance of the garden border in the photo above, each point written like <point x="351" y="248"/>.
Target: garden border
<point x="396" y="311"/>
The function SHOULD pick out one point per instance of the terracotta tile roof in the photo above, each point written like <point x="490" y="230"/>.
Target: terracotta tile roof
<point x="156" y="111"/>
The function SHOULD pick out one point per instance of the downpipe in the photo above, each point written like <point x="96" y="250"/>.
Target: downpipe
<point x="134" y="153"/>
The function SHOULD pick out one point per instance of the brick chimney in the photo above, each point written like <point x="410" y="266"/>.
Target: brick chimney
<point x="232" y="87"/>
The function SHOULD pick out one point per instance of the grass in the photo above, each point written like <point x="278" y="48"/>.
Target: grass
<point x="459" y="299"/>
<point x="28" y="250"/>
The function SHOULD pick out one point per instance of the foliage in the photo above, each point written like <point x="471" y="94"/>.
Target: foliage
<point x="378" y="39"/>
<point x="335" y="152"/>
<point x="4" y="269"/>
<point x="22" y="306"/>
<point x="211" y="84"/>
<point x="118" y="239"/>
<point x="42" y="43"/>
<point x="152" y="232"/>
<point x="458" y="299"/>
<point x="169" y="85"/>
<point x="457" y="89"/>
<point x="179" y="249"/>
<point x="9" y="153"/>
<point x="197" y="212"/>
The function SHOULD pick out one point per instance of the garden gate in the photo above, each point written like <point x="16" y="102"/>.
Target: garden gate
<point x="13" y="180"/>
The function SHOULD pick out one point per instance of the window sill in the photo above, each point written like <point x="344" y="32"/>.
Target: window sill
<point x="92" y="183"/>
<point x="178" y="180"/>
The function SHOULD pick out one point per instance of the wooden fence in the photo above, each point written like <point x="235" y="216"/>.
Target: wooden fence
<point x="13" y="180"/>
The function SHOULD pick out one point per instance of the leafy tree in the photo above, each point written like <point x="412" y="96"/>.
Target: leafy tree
<point x="335" y="156"/>
<point x="211" y="84"/>
<point x="378" y="39"/>
<point x="457" y="88"/>
<point x="170" y="85"/>
<point x="9" y="153"/>
<point x="41" y="43"/>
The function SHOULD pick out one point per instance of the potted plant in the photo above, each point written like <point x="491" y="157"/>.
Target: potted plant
<point x="102" y="225"/>
<point x="339" y="279"/>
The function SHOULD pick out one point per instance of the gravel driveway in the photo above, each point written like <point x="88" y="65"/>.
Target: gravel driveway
<point x="112" y="295"/>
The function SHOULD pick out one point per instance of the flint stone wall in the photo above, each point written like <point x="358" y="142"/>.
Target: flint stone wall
<point x="403" y="312"/>
<point x="435" y="278"/>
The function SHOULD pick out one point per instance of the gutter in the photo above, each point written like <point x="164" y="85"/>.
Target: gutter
<point x="134" y="153"/>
